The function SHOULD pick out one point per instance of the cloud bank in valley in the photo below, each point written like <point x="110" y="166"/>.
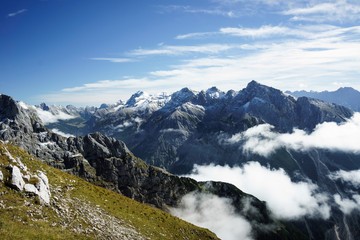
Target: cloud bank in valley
<point x="214" y="213"/>
<point x="347" y="205"/>
<point x="351" y="177"/>
<point x="264" y="141"/>
<point x="286" y="199"/>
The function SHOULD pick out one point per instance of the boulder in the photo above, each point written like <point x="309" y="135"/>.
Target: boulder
<point x="31" y="189"/>
<point x="1" y="176"/>
<point x="43" y="188"/>
<point x="16" y="179"/>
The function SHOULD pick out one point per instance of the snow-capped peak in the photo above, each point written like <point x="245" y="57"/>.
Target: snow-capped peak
<point x="214" y="93"/>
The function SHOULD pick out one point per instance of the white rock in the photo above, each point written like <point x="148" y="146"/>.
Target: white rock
<point x="43" y="177"/>
<point x="43" y="188"/>
<point x="16" y="179"/>
<point x="29" y="188"/>
<point x="1" y="176"/>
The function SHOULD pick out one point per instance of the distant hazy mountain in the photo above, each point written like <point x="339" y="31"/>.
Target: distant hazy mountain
<point x="347" y="96"/>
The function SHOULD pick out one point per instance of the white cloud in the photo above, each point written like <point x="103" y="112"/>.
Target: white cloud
<point x="178" y="50"/>
<point x="327" y="53"/>
<point x="57" y="131"/>
<point x="352" y="177"/>
<point x="47" y="117"/>
<point x="286" y="199"/>
<point x="348" y="205"/>
<point x="214" y="213"/>
<point x="340" y="10"/>
<point x="194" y="35"/>
<point x="114" y="60"/>
<point x="264" y="141"/>
<point x="263" y="31"/>
<point x="209" y="10"/>
<point x="17" y="13"/>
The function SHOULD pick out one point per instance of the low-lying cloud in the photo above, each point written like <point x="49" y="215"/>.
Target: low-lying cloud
<point x="352" y="177"/>
<point x="57" y="131"/>
<point x="48" y="117"/>
<point x="285" y="198"/>
<point x="264" y="141"/>
<point x="348" y="205"/>
<point x="215" y="213"/>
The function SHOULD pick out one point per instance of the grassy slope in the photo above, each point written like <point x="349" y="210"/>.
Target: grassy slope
<point x="80" y="210"/>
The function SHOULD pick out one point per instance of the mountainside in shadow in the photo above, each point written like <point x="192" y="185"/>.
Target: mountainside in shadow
<point x="346" y="96"/>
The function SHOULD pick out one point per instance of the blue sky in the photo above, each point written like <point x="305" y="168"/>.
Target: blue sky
<point x="87" y="52"/>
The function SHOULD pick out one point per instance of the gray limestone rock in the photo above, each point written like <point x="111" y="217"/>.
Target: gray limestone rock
<point x="1" y="176"/>
<point x="31" y="189"/>
<point x="16" y="179"/>
<point x="43" y="188"/>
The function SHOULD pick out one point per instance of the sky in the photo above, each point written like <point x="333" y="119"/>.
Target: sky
<point x="88" y="52"/>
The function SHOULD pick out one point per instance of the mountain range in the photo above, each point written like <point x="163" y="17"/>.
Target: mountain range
<point x="345" y="96"/>
<point x="188" y="131"/>
<point x="107" y="162"/>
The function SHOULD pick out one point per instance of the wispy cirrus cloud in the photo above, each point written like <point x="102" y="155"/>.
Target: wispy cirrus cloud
<point x="268" y="31"/>
<point x="269" y="54"/>
<point x="13" y="14"/>
<point x="212" y="10"/>
<point x="114" y="60"/>
<point x="179" y="50"/>
<point x="340" y="10"/>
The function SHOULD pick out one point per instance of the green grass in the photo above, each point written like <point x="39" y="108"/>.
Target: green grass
<point x="23" y="218"/>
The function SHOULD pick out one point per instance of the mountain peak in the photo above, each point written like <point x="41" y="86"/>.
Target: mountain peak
<point x="214" y="92"/>
<point x="254" y="84"/>
<point x="135" y="98"/>
<point x="183" y="95"/>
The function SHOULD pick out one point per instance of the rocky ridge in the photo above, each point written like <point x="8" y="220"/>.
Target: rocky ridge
<point x="76" y="209"/>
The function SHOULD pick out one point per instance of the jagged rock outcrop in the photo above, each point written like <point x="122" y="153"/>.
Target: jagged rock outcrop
<point x="22" y="180"/>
